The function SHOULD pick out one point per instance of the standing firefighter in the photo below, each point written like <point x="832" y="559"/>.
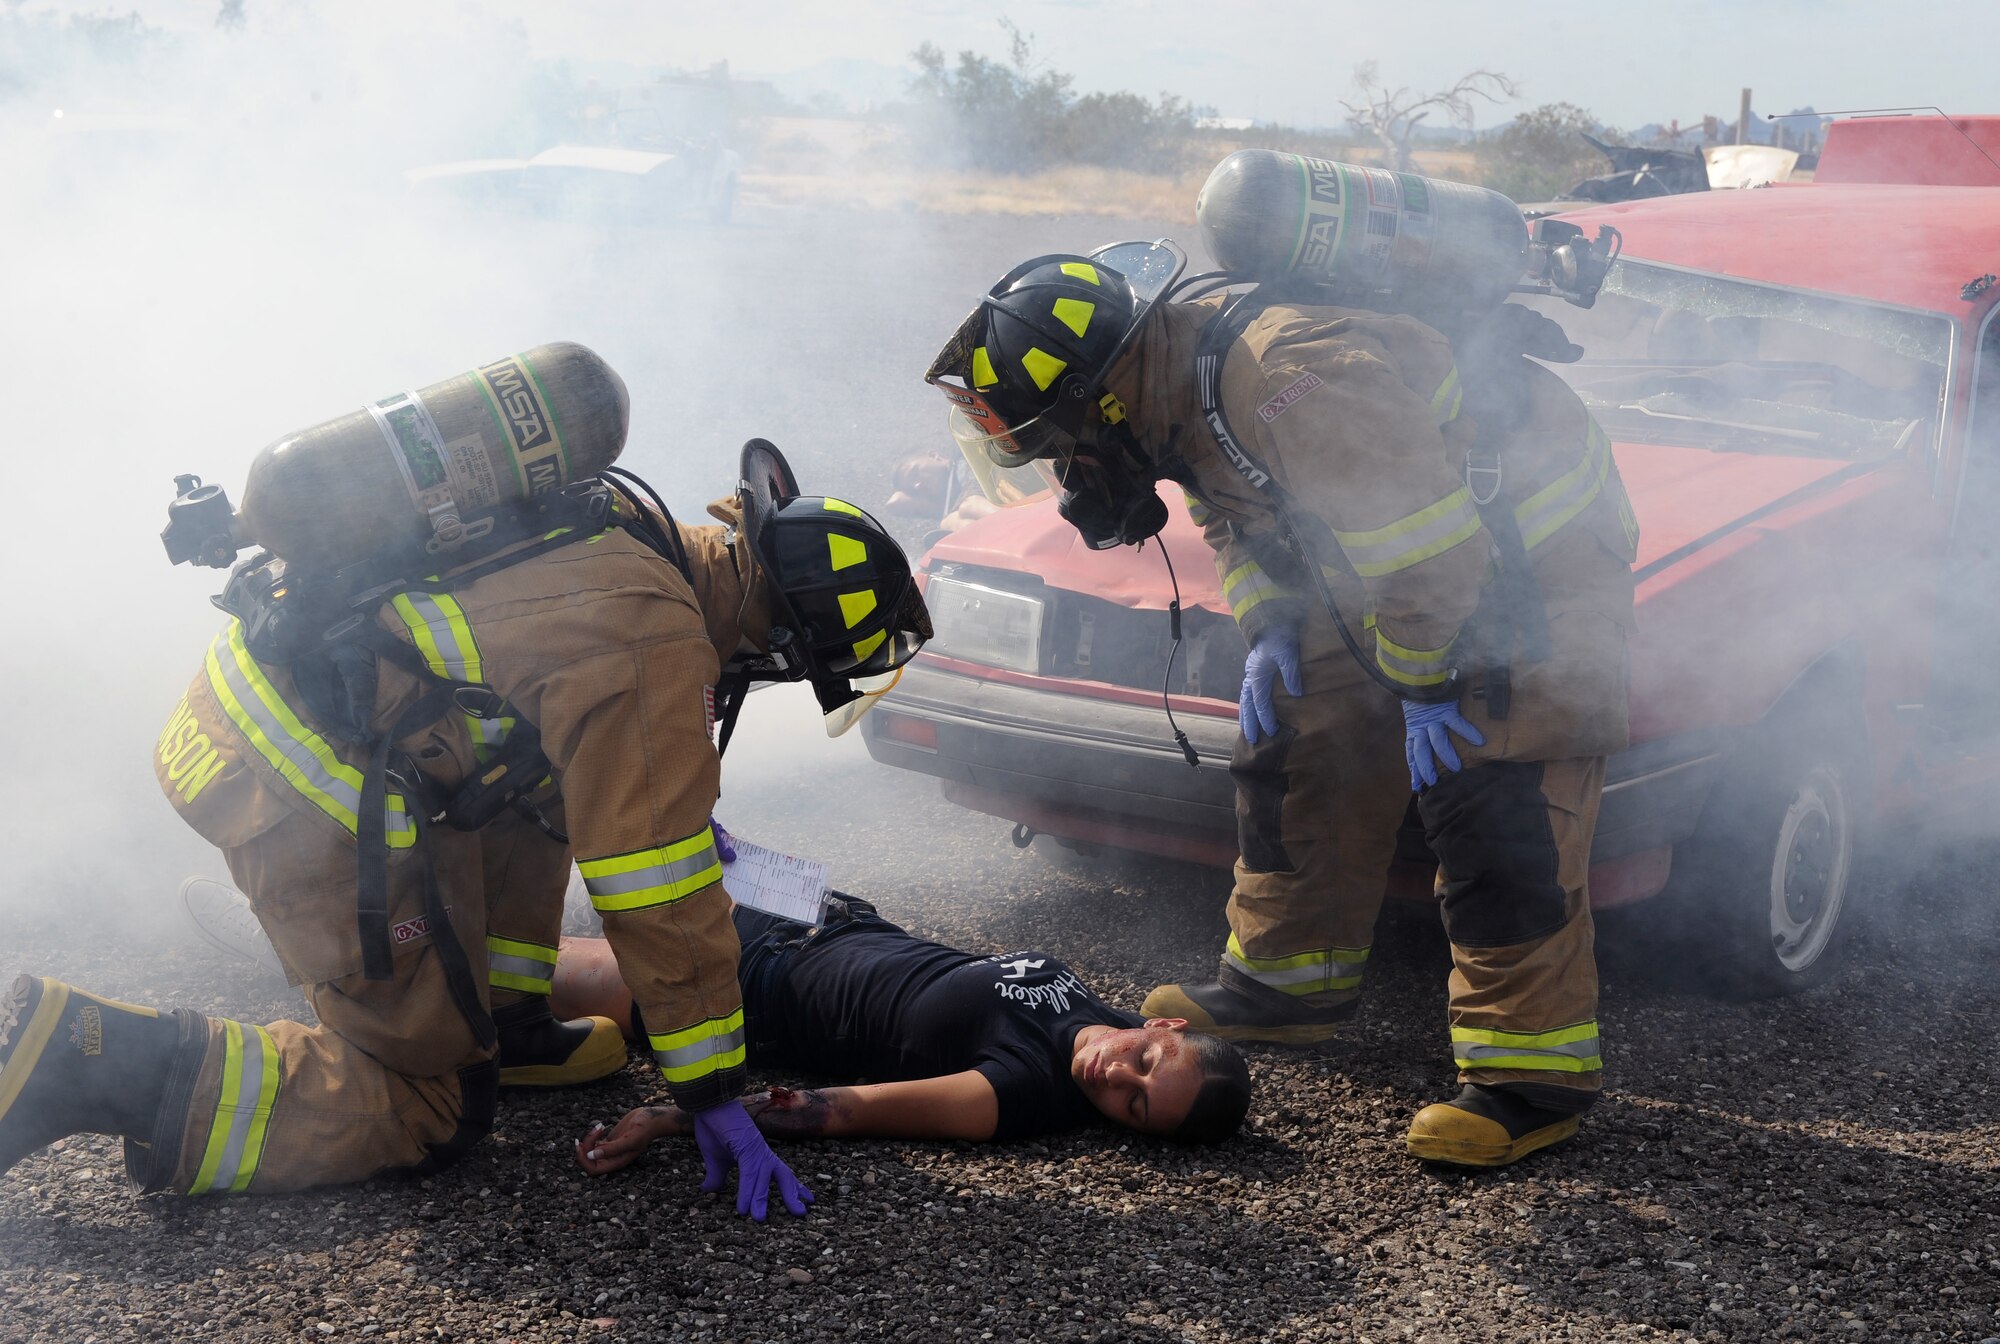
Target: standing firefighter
<point x="412" y="721"/>
<point x="1429" y="558"/>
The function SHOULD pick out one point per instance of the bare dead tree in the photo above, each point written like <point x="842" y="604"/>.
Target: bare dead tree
<point x="1392" y="116"/>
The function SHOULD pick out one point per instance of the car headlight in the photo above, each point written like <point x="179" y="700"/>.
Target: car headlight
<point x="985" y="625"/>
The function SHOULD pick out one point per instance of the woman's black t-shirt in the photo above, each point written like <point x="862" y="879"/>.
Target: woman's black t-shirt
<point x="867" y="1000"/>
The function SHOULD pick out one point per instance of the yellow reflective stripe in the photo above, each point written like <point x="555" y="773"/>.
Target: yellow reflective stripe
<point x="982" y="369"/>
<point x="301" y="756"/>
<point x="1246" y="586"/>
<point x="1412" y="539"/>
<point x="32" y="1040"/>
<point x="1196" y="509"/>
<point x="1073" y="313"/>
<point x="1082" y="270"/>
<point x="845" y="552"/>
<point x="528" y="967"/>
<point x="1545" y="512"/>
<point x="700" y="1050"/>
<point x="1042" y="366"/>
<point x="854" y="607"/>
<point x="242" y="1112"/>
<point x="650" y="877"/>
<point x="1410" y="667"/>
<point x="438" y="626"/>
<point x="1572" y="1049"/>
<point x="832" y="505"/>
<point x="867" y="646"/>
<point x="1301" y="972"/>
<point x="1448" y="398"/>
<point x="441" y="632"/>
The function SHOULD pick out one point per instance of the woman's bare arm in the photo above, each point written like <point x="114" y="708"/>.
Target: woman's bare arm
<point x="956" y="1106"/>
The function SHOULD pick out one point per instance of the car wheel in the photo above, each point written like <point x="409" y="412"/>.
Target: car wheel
<point x="1772" y="871"/>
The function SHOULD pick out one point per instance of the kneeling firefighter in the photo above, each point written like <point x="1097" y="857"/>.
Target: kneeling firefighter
<point x="1427" y="546"/>
<point x="468" y="649"/>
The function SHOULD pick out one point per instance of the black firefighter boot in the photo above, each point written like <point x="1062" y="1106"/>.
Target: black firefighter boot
<point x="73" y="1063"/>
<point x="1237" y="1008"/>
<point x="538" y="1051"/>
<point x="1489" y="1126"/>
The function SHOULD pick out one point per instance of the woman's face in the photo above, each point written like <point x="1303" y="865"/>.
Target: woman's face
<point x="1145" y="1078"/>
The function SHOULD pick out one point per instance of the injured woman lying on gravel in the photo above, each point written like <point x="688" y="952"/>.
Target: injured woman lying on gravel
<point x="954" y="1045"/>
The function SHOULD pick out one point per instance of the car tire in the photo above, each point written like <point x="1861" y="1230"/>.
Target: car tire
<point x="1769" y="882"/>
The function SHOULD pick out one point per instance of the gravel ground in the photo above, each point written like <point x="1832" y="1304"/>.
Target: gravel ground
<point x="1816" y="1168"/>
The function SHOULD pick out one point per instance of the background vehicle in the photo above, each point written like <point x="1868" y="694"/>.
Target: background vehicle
<point x="1803" y="388"/>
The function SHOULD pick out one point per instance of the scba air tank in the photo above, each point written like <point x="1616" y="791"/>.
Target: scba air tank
<point x="1360" y="236"/>
<point x="430" y="470"/>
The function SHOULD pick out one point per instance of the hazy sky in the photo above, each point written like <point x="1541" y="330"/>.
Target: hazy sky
<point x="1630" y="63"/>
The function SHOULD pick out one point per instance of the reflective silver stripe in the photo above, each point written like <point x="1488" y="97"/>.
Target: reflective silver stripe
<point x="525" y="967"/>
<point x="1543" y="514"/>
<point x="1431" y="530"/>
<point x="308" y="768"/>
<point x="692" y="1056"/>
<point x="243" y="1111"/>
<point x="1416" y="667"/>
<point x="1332" y="968"/>
<point x="1196" y="509"/>
<point x="669" y="875"/>
<point x="443" y="630"/>
<point x="1467" y="1053"/>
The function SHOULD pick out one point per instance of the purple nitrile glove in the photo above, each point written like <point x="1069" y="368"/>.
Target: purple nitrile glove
<point x="1274" y="654"/>
<point x="1426" y="744"/>
<point x="724" y="846"/>
<point x="728" y="1137"/>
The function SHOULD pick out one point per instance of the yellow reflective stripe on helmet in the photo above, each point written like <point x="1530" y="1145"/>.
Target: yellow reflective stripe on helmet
<point x="832" y="505"/>
<point x="1544" y="513"/>
<point x="1081" y="270"/>
<point x="649" y="877"/>
<point x="854" y="607"/>
<point x="982" y="369"/>
<point x="301" y="756"/>
<point x="1572" y="1049"/>
<point x="1448" y="398"/>
<point x="845" y="552"/>
<point x="1246" y="586"/>
<point x="1043" y="367"/>
<point x="1196" y="509"/>
<point x="1302" y="972"/>
<point x="1074" y="313"/>
<point x="528" y="967"/>
<point x="243" y="1111"/>
<point x="700" y="1050"/>
<point x="1414" y="538"/>
<point x="867" y="646"/>
<point x="1410" y="667"/>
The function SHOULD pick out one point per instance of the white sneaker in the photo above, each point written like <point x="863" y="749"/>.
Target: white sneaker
<point x="223" y="915"/>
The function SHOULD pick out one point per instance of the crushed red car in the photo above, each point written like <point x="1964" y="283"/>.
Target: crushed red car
<point x="1802" y="383"/>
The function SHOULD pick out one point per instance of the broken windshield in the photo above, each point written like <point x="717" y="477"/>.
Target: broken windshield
<point x="1698" y="360"/>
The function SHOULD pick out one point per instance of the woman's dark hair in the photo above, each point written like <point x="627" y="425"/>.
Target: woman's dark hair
<point x="1224" y="1098"/>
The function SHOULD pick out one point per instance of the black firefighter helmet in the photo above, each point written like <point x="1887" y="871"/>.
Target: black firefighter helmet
<point x="846" y="613"/>
<point x="1025" y="374"/>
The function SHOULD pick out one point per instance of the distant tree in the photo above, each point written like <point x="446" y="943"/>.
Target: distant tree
<point x="230" y="18"/>
<point x="1542" y="153"/>
<point x="1391" y="116"/>
<point x="1018" y="115"/>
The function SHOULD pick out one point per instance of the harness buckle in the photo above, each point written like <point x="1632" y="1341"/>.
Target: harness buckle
<point x="1489" y="469"/>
